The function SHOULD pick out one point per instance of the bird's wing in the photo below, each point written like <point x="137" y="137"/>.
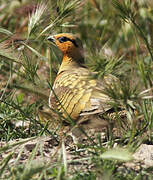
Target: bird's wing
<point x="78" y="94"/>
<point x="99" y="102"/>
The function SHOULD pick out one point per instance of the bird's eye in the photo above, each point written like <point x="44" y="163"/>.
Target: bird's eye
<point x="63" y="39"/>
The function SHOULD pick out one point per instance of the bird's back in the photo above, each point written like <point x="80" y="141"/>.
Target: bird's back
<point x="77" y="93"/>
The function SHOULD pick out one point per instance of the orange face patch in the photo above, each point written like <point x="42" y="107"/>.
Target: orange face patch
<point x="66" y="47"/>
<point x="69" y="46"/>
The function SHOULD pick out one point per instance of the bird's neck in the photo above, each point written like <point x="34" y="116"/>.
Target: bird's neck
<point x="70" y="62"/>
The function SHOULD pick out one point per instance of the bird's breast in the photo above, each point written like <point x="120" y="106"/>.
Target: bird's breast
<point x="72" y="91"/>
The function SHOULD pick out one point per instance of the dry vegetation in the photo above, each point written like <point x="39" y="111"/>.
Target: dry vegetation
<point x="118" y="39"/>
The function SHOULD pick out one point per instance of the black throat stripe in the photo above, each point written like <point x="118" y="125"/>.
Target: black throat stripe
<point x="74" y="42"/>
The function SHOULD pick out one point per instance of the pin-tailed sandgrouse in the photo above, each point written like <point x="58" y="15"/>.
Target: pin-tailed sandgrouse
<point x="75" y="91"/>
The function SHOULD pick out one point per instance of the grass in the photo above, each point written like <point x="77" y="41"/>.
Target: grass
<point x="117" y="39"/>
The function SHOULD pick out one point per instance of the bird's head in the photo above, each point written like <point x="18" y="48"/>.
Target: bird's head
<point x="69" y="45"/>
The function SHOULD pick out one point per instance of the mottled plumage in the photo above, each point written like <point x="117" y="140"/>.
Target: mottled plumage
<point x="77" y="92"/>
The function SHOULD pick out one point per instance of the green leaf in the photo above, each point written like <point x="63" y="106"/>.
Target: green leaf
<point x="4" y="163"/>
<point x="20" y="98"/>
<point x="119" y="154"/>
<point x="5" y="31"/>
<point x="35" y="52"/>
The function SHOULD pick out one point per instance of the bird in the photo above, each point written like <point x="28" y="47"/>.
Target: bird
<point x="76" y="93"/>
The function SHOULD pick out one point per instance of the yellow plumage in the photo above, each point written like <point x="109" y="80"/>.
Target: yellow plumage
<point x="77" y="92"/>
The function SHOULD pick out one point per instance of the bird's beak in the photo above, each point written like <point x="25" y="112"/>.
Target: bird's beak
<point x="51" y="39"/>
